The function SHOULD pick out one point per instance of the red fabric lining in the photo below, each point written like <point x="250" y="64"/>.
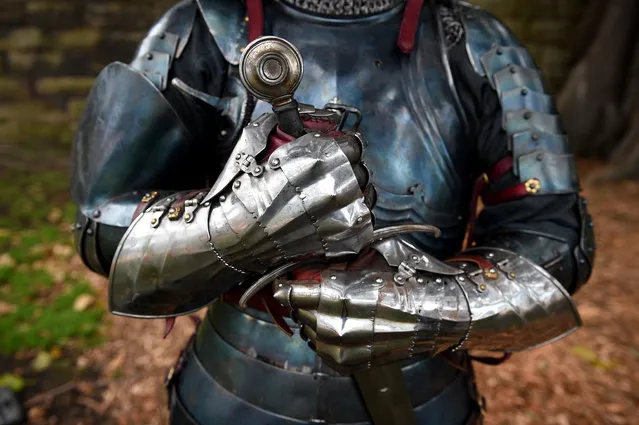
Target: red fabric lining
<point x="409" y="25"/>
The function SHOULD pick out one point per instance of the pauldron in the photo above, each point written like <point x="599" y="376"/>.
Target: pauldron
<point x="540" y="157"/>
<point x="185" y="250"/>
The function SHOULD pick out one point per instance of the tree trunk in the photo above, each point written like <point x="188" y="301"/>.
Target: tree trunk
<point x="600" y="100"/>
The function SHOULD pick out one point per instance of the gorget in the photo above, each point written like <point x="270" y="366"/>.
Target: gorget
<point x="343" y="8"/>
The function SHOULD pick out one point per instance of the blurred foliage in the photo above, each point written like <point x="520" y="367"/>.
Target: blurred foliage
<point x="38" y="289"/>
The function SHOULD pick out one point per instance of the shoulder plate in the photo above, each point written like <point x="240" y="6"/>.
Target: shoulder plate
<point x="127" y="137"/>
<point x="536" y="140"/>
<point x="228" y="26"/>
<point x="165" y="42"/>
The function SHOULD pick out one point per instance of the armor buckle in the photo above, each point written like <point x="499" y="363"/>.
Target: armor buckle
<point x="249" y="165"/>
<point x="345" y="111"/>
<point x="404" y="273"/>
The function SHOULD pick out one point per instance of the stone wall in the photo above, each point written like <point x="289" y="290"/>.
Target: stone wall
<point x="50" y="51"/>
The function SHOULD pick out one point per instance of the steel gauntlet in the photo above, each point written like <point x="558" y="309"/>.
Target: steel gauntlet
<point x="183" y="251"/>
<point x="487" y="298"/>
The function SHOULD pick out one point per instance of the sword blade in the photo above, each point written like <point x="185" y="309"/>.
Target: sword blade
<point x="385" y="395"/>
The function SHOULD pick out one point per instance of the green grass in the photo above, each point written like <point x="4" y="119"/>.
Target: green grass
<point x="37" y="288"/>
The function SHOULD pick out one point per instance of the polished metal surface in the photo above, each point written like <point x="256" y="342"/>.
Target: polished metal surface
<point x="378" y="236"/>
<point x="224" y="365"/>
<point x="164" y="43"/>
<point x="523" y="308"/>
<point x="114" y="157"/>
<point x="364" y="318"/>
<point x="225" y="20"/>
<point x="413" y="132"/>
<point x="304" y="201"/>
<point x="271" y="68"/>
<point x="395" y="251"/>
<point x="539" y="147"/>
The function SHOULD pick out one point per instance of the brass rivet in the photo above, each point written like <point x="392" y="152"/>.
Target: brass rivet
<point x="154" y="220"/>
<point x="532" y="186"/>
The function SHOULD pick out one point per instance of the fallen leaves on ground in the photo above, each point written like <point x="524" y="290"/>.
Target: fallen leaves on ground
<point x="588" y="378"/>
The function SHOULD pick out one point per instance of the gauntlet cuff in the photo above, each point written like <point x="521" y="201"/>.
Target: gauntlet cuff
<point x="514" y="304"/>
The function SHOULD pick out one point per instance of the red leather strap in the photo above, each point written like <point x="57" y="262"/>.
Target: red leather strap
<point x="509" y="194"/>
<point x="255" y="14"/>
<point x="409" y="26"/>
<point x="276" y="139"/>
<point x="500" y="168"/>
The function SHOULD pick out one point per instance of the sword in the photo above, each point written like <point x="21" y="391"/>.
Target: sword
<point x="271" y="69"/>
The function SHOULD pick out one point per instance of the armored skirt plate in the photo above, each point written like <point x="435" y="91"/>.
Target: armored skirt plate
<point x="258" y="375"/>
<point x="416" y="149"/>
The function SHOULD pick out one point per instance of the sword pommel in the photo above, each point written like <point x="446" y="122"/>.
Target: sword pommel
<point x="271" y="69"/>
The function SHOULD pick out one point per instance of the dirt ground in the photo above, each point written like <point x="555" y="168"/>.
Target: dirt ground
<point x="591" y="377"/>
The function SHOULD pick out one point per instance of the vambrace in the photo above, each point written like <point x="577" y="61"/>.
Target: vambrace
<point x="185" y="250"/>
<point x="513" y="303"/>
<point x="486" y="298"/>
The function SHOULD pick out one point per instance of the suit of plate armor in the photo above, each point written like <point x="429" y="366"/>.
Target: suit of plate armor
<point x="178" y="205"/>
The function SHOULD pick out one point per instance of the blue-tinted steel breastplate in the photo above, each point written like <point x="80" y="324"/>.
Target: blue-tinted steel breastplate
<point x="243" y="368"/>
<point x="416" y="145"/>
